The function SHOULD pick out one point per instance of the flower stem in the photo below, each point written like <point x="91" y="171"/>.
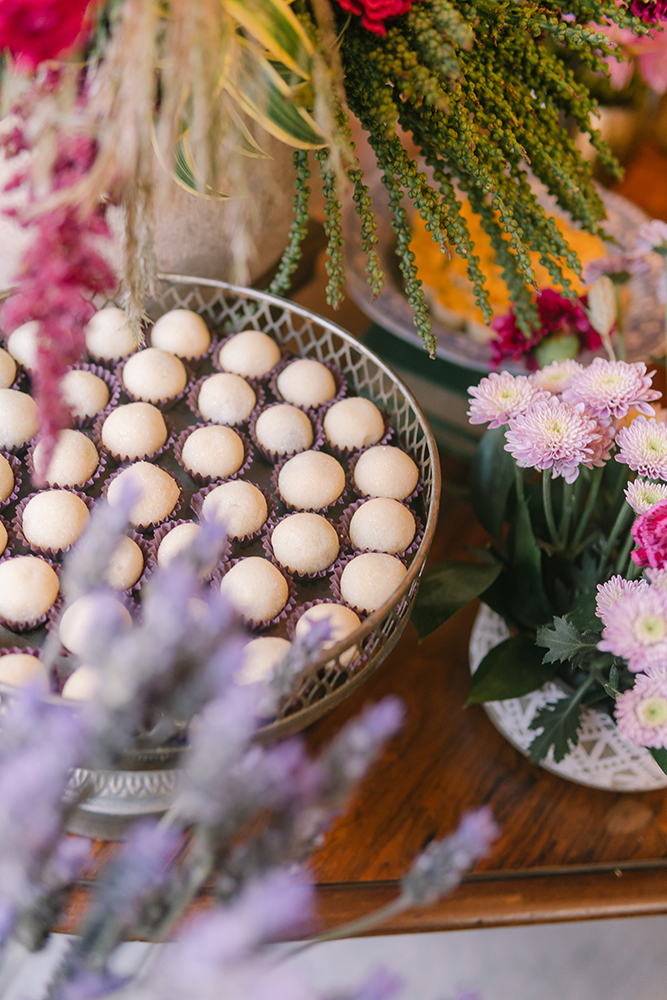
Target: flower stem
<point x="358" y="926"/>
<point x="619" y="524"/>
<point x="548" y="506"/>
<point x="625" y="552"/>
<point x="620" y="331"/>
<point x="566" y="517"/>
<point x="518" y="480"/>
<point x="596" y="479"/>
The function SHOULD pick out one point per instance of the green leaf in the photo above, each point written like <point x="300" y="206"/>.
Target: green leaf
<point x="275" y="26"/>
<point x="660" y="757"/>
<point x="564" y="642"/>
<point x="491" y="479"/>
<point x="559" y="722"/>
<point x="528" y="600"/>
<point x="446" y="588"/>
<point x="583" y="614"/>
<point x="509" y="670"/>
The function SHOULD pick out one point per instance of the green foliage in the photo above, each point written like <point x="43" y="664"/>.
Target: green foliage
<point x="491" y="479"/>
<point x="511" y="669"/>
<point x="660" y="757"/>
<point x="559" y="722"/>
<point x="333" y="228"/>
<point x="292" y="253"/>
<point x="530" y="603"/>
<point x="565" y="643"/>
<point x="446" y="588"/>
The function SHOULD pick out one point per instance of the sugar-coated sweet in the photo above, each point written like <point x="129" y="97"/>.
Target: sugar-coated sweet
<point x="225" y="398"/>
<point x="158" y="493"/>
<point x="82" y="684"/>
<point x="85" y="393"/>
<point x="73" y="462"/>
<point x="54" y="519"/>
<point x="109" y="335"/>
<point x="135" y="430"/>
<point x="28" y="589"/>
<point x="311" y="480"/>
<point x="341" y="621"/>
<point x="153" y="375"/>
<point x="260" y="657"/>
<point x="215" y="452"/>
<point x="178" y="541"/>
<point x="305" y="543"/>
<point x="7" y="369"/>
<point x="181" y="332"/>
<point x="23" y="669"/>
<point x="4" y="538"/>
<point x="6" y="479"/>
<point x="18" y="418"/>
<point x="256" y="588"/>
<point x="125" y="565"/>
<point x="306" y="383"/>
<point x="80" y="621"/>
<point x="22" y="345"/>
<point x="240" y="505"/>
<point x="353" y="423"/>
<point x="284" y="430"/>
<point x="383" y="525"/>
<point x="385" y="471"/>
<point x="370" y="579"/>
<point x="251" y="353"/>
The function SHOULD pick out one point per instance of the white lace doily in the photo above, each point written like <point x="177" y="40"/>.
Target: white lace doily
<point x="601" y="760"/>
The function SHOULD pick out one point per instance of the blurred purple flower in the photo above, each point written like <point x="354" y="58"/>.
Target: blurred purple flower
<point x="619" y="266"/>
<point x="86" y="565"/>
<point x="652" y="236"/>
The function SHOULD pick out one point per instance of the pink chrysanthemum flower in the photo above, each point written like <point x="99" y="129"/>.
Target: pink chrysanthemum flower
<point x="499" y="397"/>
<point x="612" y="591"/>
<point x="612" y="388"/>
<point x="602" y="444"/>
<point x="643" y="494"/>
<point x="637" y="630"/>
<point x="643" y="446"/>
<point x="657" y="577"/>
<point x="556" y="376"/>
<point x="553" y="435"/>
<point x="652" y="236"/>
<point x="641" y="712"/>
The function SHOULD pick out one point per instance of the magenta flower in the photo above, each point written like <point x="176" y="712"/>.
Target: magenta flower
<point x="556" y="376"/>
<point x="650" y="11"/>
<point x="643" y="447"/>
<point x="612" y="388"/>
<point x="637" y="630"/>
<point x="553" y="435"/>
<point x="35" y="30"/>
<point x="612" y="591"/>
<point x="374" y="12"/>
<point x="641" y="712"/>
<point x="499" y="397"/>
<point x="558" y="316"/>
<point x="642" y="494"/>
<point x="650" y="534"/>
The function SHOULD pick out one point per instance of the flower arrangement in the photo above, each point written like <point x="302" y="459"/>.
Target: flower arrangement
<point x="243" y="822"/>
<point x="570" y="481"/>
<point x="122" y="80"/>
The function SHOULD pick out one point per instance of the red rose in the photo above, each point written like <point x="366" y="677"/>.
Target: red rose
<point x="375" y="11"/>
<point x="35" y="30"/>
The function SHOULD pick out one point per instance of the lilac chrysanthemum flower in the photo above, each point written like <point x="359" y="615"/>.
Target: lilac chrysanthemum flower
<point x="637" y="631"/>
<point x="643" y="447"/>
<point x="500" y="397"/>
<point x="643" y="494"/>
<point x="556" y="376"/>
<point x="657" y="577"/>
<point x="615" y="265"/>
<point x="612" y="591"/>
<point x="553" y="435"/>
<point x="641" y="712"/>
<point x="652" y="236"/>
<point x="612" y="388"/>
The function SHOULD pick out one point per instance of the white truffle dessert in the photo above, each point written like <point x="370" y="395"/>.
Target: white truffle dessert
<point x="158" y="493"/>
<point x="311" y="481"/>
<point x="109" y="336"/>
<point x="382" y="525"/>
<point x="85" y="393"/>
<point x="386" y="471"/>
<point x="19" y="420"/>
<point x="283" y="429"/>
<point x="181" y="332"/>
<point x="368" y="580"/>
<point x="81" y="620"/>
<point x="251" y="353"/>
<point x="177" y="541"/>
<point x="241" y="505"/>
<point x="22" y="345"/>
<point x="341" y="622"/>
<point x="215" y="452"/>
<point x="28" y="590"/>
<point x="7" y="479"/>
<point x="353" y="423"/>
<point x="306" y="383"/>
<point x="154" y="376"/>
<point x="7" y="369"/>
<point x="134" y="431"/>
<point x="256" y="589"/>
<point x="305" y="543"/>
<point x="225" y="398"/>
<point x="24" y="670"/>
<point x="74" y="460"/>
<point x="125" y="565"/>
<point x="260" y="658"/>
<point x="53" y="520"/>
<point x="4" y="538"/>
<point x="82" y="684"/>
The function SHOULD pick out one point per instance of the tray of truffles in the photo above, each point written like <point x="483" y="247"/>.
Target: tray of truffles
<point x="243" y="407"/>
